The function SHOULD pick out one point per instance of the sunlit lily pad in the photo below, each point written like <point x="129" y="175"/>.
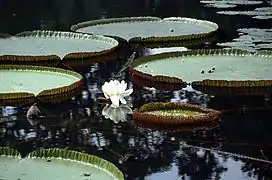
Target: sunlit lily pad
<point x="55" y="164"/>
<point x="49" y="47"/>
<point x="175" y="113"/>
<point x="215" y="68"/>
<point x="24" y="83"/>
<point x="149" y="29"/>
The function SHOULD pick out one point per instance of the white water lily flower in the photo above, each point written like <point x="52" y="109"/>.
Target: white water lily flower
<point x="117" y="114"/>
<point x="116" y="91"/>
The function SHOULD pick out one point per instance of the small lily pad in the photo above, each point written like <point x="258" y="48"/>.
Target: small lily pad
<point x="215" y="68"/>
<point x="55" y="164"/>
<point x="149" y="29"/>
<point x="24" y="83"/>
<point x="175" y="113"/>
<point x="50" y="47"/>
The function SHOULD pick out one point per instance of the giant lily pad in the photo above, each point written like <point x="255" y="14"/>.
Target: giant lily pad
<point x="55" y="164"/>
<point x="49" y="47"/>
<point x="207" y="68"/>
<point x="149" y="29"/>
<point x="175" y="113"/>
<point x="23" y="84"/>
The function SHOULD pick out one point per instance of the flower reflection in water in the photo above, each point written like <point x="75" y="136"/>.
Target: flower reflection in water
<point x="117" y="114"/>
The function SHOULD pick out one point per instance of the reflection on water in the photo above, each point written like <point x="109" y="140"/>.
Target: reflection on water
<point x="251" y="39"/>
<point x="141" y="153"/>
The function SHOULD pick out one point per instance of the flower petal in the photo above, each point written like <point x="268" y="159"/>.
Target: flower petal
<point x="115" y="101"/>
<point x="122" y="87"/>
<point x="127" y="92"/>
<point x="122" y="99"/>
<point x="105" y="89"/>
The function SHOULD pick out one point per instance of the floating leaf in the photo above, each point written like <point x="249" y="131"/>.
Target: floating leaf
<point x="149" y="29"/>
<point x="175" y="113"/>
<point x="55" y="164"/>
<point x="49" y="47"/>
<point x="24" y="83"/>
<point x="215" y="68"/>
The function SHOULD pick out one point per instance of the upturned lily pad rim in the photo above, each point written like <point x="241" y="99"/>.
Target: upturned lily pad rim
<point x="45" y="95"/>
<point x="213" y="25"/>
<point x="232" y="91"/>
<point x="143" y="114"/>
<point x="206" y="82"/>
<point x="178" y="43"/>
<point x="45" y="59"/>
<point x="140" y="82"/>
<point x="65" y="154"/>
<point x="4" y="35"/>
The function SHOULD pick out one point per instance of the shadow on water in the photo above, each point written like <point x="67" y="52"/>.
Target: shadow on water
<point x="142" y="153"/>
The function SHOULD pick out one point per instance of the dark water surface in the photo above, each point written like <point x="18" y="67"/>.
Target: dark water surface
<point x="244" y="131"/>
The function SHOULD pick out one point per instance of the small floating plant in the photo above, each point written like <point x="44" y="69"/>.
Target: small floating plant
<point x="24" y="84"/>
<point x="55" y="164"/>
<point x="175" y="113"/>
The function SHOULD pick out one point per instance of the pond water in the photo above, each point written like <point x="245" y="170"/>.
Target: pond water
<point x="240" y="147"/>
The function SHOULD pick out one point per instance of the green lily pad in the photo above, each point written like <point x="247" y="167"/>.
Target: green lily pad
<point x="218" y="68"/>
<point x="24" y="83"/>
<point x="175" y="113"/>
<point x="49" y="47"/>
<point x="149" y="29"/>
<point x="55" y="164"/>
